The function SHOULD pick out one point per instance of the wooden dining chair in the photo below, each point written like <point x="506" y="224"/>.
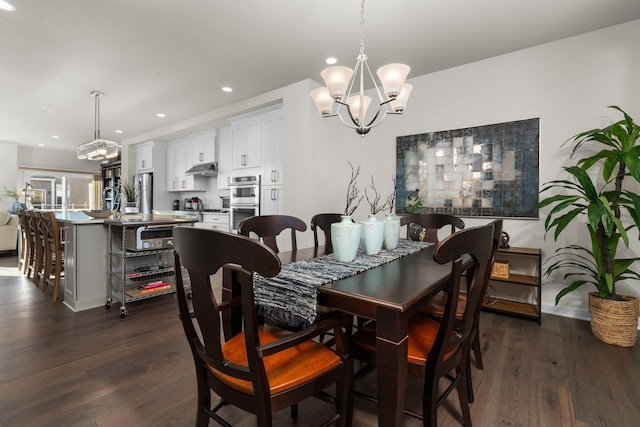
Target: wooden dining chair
<point x="322" y="222"/>
<point x="26" y="249"/>
<point x="435" y="306"/>
<point x="439" y="349"/>
<point x="263" y="368"/>
<point x="53" y="258"/>
<point x="431" y="224"/>
<point x="268" y="227"/>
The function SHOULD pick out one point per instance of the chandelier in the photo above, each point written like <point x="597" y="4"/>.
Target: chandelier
<point x="340" y="92"/>
<point x="98" y="149"/>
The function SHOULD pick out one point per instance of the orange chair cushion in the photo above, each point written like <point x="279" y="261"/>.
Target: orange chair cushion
<point x="286" y="369"/>
<point x="422" y="334"/>
<point x="434" y="307"/>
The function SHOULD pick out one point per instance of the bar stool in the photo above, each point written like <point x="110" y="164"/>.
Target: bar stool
<point x="35" y="265"/>
<point x="26" y="251"/>
<point x="53" y="263"/>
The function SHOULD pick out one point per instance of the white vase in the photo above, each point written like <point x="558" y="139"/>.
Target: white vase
<point x="130" y="207"/>
<point x="372" y="235"/>
<point x="391" y="231"/>
<point x="345" y="238"/>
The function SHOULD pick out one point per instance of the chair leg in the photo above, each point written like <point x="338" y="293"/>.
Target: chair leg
<point x="430" y="401"/>
<point x="475" y="345"/>
<point x="463" y="396"/>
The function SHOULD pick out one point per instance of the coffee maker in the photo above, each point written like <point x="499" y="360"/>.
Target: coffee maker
<point x="187" y="204"/>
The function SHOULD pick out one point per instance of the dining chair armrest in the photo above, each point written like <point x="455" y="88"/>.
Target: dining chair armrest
<point x="335" y="321"/>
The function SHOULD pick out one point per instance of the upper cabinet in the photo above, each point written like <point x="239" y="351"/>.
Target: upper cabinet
<point x="256" y="142"/>
<point x="224" y="157"/>
<point x="144" y="157"/>
<point x="203" y="147"/>
<point x="246" y="144"/>
<point x="179" y="160"/>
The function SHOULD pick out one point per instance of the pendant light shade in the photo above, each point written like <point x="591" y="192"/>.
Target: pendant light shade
<point x="345" y="88"/>
<point x="392" y="77"/>
<point x="337" y="79"/>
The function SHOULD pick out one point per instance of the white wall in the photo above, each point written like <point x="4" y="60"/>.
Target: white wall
<point x="567" y="84"/>
<point x="8" y="178"/>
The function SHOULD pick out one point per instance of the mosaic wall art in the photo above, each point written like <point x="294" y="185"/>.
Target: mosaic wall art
<point x="489" y="171"/>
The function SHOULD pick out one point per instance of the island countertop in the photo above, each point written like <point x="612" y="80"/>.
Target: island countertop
<point x="80" y="218"/>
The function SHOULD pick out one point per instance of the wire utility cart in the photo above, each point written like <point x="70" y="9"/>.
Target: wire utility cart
<point x="140" y="261"/>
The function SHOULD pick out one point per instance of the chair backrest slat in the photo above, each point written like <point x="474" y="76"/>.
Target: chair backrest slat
<point x="432" y="223"/>
<point x="268" y="227"/>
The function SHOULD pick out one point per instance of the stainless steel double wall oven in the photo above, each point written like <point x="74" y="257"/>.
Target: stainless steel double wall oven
<point x="244" y="199"/>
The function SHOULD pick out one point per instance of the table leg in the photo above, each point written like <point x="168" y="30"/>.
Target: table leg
<point x="392" y="365"/>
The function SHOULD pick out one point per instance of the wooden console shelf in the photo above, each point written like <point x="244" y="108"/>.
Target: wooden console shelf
<point x="519" y="294"/>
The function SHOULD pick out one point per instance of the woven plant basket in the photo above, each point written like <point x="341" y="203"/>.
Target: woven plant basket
<point x="614" y="322"/>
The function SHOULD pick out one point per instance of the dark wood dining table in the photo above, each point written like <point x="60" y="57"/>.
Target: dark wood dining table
<point x="388" y="294"/>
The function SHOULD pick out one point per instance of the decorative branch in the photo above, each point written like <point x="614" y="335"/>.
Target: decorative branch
<point x="353" y="192"/>
<point x="374" y="204"/>
<point x="391" y="199"/>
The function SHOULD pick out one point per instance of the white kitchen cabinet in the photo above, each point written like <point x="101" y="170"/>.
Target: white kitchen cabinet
<point x="224" y="157"/>
<point x="214" y="221"/>
<point x="173" y="182"/>
<point x="246" y="145"/>
<point x="203" y="147"/>
<point x="271" y="201"/>
<point x="178" y="162"/>
<point x="144" y="157"/>
<point x="272" y="151"/>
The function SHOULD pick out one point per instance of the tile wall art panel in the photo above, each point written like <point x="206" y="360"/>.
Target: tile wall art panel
<point x="488" y="171"/>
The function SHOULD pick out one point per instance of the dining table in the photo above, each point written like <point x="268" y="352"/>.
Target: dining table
<point x="388" y="294"/>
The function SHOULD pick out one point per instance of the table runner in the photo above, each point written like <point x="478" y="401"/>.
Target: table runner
<point x="291" y="296"/>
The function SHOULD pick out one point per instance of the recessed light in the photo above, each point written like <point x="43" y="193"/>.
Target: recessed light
<point x="227" y="89"/>
<point x="41" y="145"/>
<point x="161" y="115"/>
<point x="118" y="131"/>
<point x="6" y="6"/>
<point x="331" y="60"/>
<point x="55" y="137"/>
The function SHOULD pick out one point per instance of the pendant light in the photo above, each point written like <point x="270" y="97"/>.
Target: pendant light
<point x="340" y="91"/>
<point x="98" y="149"/>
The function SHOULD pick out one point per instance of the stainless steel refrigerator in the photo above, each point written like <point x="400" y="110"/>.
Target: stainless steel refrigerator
<point x="144" y="181"/>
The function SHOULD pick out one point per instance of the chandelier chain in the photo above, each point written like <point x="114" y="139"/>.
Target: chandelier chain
<point x="361" y="27"/>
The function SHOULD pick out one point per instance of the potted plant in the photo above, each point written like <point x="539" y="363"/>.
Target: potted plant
<point x="601" y="204"/>
<point x="17" y="205"/>
<point x="129" y="194"/>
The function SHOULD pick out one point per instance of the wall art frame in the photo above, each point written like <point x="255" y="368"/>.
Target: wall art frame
<point x="483" y="171"/>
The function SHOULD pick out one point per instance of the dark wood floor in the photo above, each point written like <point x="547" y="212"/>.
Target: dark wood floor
<point x="59" y="368"/>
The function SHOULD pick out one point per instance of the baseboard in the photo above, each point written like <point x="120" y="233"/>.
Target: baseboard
<point x="570" y="312"/>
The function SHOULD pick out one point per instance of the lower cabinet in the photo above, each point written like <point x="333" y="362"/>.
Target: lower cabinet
<point x="271" y="200"/>
<point x="514" y="287"/>
<point x="214" y="221"/>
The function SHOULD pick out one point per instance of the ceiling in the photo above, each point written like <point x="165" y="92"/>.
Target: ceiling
<point x="158" y="56"/>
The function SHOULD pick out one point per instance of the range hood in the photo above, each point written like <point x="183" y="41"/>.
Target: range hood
<point x="205" y="169"/>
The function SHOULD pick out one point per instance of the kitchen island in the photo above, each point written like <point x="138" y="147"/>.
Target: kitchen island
<point x="86" y="243"/>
